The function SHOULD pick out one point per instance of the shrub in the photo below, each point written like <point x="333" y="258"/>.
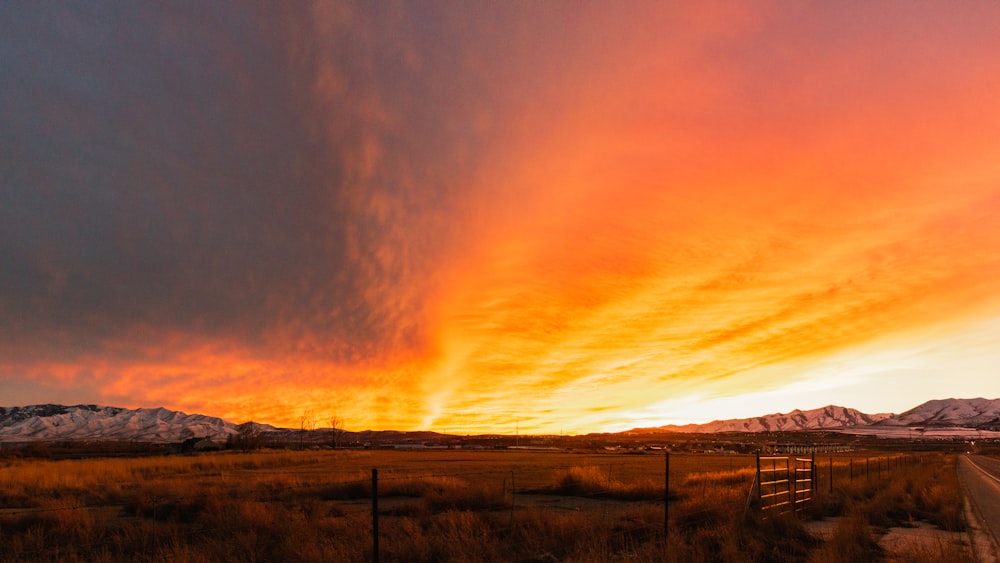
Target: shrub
<point x="593" y="482"/>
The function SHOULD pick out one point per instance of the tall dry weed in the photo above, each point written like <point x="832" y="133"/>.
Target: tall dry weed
<point x="594" y="481"/>
<point x="313" y="506"/>
<point x="852" y="540"/>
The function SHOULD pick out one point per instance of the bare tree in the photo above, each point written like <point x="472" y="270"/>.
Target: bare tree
<point x="335" y="429"/>
<point x="249" y="436"/>
<point x="306" y="424"/>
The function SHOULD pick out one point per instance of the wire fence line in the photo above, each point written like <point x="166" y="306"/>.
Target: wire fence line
<point x="270" y="485"/>
<point x="787" y="483"/>
<point x="396" y="487"/>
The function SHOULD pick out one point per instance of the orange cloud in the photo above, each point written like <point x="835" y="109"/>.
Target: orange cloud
<point x="560" y="218"/>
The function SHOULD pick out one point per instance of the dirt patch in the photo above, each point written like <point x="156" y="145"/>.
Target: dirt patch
<point x="577" y="504"/>
<point x="822" y="529"/>
<point x="920" y="537"/>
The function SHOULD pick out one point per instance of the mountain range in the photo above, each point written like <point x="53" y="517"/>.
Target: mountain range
<point x="825" y="418"/>
<point x="160" y="425"/>
<point x="92" y="422"/>
<point x="978" y="414"/>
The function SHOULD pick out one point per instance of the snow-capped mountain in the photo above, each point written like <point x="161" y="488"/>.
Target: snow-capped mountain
<point x="980" y="414"/>
<point x="160" y="425"/>
<point x="828" y="417"/>
<point x="968" y="413"/>
<point x="92" y="422"/>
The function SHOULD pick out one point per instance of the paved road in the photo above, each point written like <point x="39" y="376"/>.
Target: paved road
<point x="981" y="476"/>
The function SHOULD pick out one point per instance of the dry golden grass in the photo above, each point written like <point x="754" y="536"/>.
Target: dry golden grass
<point x="596" y="482"/>
<point x="434" y="506"/>
<point x="906" y="490"/>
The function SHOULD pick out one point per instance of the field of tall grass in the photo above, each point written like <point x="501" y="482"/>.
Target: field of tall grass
<point x="450" y="506"/>
<point x="903" y="491"/>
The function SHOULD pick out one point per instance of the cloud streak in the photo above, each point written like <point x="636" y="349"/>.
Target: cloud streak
<point x="462" y="216"/>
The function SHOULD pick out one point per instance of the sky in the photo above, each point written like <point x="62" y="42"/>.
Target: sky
<point x="477" y="217"/>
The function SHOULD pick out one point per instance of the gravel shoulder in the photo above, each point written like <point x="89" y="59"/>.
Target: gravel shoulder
<point x="980" y="477"/>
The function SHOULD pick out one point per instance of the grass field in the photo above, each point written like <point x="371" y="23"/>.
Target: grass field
<point x="452" y="505"/>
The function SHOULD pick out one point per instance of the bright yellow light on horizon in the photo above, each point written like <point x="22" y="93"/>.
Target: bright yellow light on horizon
<point x="627" y="219"/>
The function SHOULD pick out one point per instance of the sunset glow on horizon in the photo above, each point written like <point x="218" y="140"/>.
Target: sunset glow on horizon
<point x="467" y="218"/>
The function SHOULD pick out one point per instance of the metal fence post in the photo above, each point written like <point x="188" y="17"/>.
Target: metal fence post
<point x="760" y="500"/>
<point x="813" y="483"/>
<point x="513" y="492"/>
<point x="666" y="495"/>
<point x="793" y="477"/>
<point x="375" y="515"/>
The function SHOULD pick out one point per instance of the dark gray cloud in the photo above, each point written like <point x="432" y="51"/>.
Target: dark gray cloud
<point x="280" y="176"/>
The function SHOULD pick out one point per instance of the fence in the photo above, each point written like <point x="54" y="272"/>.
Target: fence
<point x="586" y="483"/>
<point x="257" y="506"/>
<point x="784" y="484"/>
<point x="787" y="484"/>
<point x="265" y="505"/>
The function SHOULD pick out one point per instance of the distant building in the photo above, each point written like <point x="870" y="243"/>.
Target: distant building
<point x="199" y="445"/>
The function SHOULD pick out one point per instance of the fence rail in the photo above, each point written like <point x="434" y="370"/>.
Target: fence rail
<point x="784" y="484"/>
